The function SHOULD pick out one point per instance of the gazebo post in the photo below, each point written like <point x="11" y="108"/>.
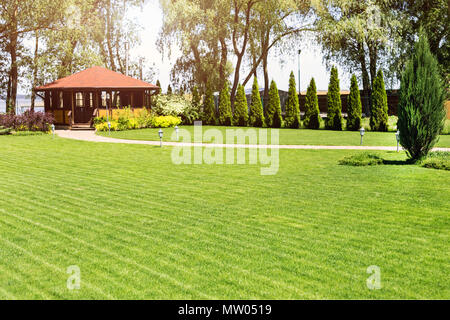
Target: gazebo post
<point x="72" y="118"/>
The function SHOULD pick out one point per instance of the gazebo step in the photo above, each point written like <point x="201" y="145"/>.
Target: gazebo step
<point x="82" y="127"/>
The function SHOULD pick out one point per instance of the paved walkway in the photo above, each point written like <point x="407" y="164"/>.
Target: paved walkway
<point x="91" y="136"/>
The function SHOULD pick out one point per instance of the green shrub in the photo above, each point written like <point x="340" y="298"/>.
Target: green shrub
<point x="225" y="113"/>
<point x="169" y="90"/>
<point x="437" y="160"/>
<point x="196" y="99"/>
<point x="104" y="126"/>
<point x="273" y="110"/>
<point x="4" y="131"/>
<point x="334" y="117"/>
<point x="421" y="111"/>
<point x="170" y="105"/>
<point x="190" y="115"/>
<point x="362" y="159"/>
<point x="165" y="122"/>
<point x="292" y="117"/>
<point x="379" y="110"/>
<point x="209" y="108"/>
<point x="256" y="117"/>
<point x="354" y="106"/>
<point x="312" y="112"/>
<point x="240" y="117"/>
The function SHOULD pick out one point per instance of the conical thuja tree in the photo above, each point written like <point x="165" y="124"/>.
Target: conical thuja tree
<point x="240" y="117"/>
<point x="312" y="112"/>
<point x="169" y="90"/>
<point x="421" y="112"/>
<point x="354" y="106"/>
<point x="273" y="110"/>
<point x="334" y="117"/>
<point x="158" y="84"/>
<point x="256" y="118"/>
<point x="292" y="118"/>
<point x="209" y="108"/>
<point x="196" y="100"/>
<point x="225" y="113"/>
<point x="379" y="111"/>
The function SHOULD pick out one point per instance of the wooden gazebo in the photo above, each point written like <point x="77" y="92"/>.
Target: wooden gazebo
<point x="75" y="100"/>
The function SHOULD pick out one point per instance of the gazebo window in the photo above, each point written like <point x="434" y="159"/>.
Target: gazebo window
<point x="79" y="99"/>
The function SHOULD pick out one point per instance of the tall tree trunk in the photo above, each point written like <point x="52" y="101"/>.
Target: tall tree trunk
<point x="223" y="61"/>
<point x="13" y="73"/>
<point x="266" y="81"/>
<point x="109" y="37"/>
<point x="365" y="79"/>
<point x="35" y="70"/>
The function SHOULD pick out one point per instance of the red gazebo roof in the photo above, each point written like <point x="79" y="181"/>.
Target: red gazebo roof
<point x="97" y="78"/>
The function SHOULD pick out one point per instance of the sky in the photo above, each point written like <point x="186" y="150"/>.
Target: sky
<point x="311" y="65"/>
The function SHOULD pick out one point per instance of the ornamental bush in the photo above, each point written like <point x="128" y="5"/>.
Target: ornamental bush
<point x="240" y="117"/>
<point x="421" y="111"/>
<point x="273" y="110"/>
<point x="292" y="117"/>
<point x="334" y="117"/>
<point x="354" y="106"/>
<point x="209" y="108"/>
<point x="28" y="121"/>
<point x="170" y="105"/>
<point x="379" y="110"/>
<point x="225" y="113"/>
<point x="256" y="108"/>
<point x="312" y="112"/>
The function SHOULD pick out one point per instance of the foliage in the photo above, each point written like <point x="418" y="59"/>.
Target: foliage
<point x="437" y="160"/>
<point x="4" y="131"/>
<point x="240" y="117"/>
<point x="362" y="159"/>
<point x="209" y="108"/>
<point x="225" y="113"/>
<point x="169" y="90"/>
<point x="334" y="117"/>
<point x="292" y="117"/>
<point x="379" y="110"/>
<point x="158" y="84"/>
<point x="165" y="122"/>
<point x="28" y="121"/>
<point x="170" y="105"/>
<point x="196" y="99"/>
<point x="273" y="110"/>
<point x="421" y="112"/>
<point x="190" y="115"/>
<point x="256" y="117"/>
<point x="312" y="113"/>
<point x="354" y="107"/>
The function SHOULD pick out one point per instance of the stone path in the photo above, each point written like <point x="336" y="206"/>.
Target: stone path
<point x="91" y="136"/>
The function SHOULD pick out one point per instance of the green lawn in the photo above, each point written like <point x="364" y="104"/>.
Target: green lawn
<point x="140" y="227"/>
<point x="287" y="136"/>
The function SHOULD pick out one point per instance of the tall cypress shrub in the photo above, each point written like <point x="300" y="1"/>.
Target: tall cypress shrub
<point x="196" y="100"/>
<point x="312" y="112"/>
<point x="240" y="117"/>
<point x="256" y="118"/>
<point x="225" y="114"/>
<point x="292" y="117"/>
<point x="209" y="108"/>
<point x="169" y="90"/>
<point x="158" y="84"/>
<point x="273" y="111"/>
<point x="354" y="106"/>
<point x="334" y="118"/>
<point x="421" y="113"/>
<point x="379" y="112"/>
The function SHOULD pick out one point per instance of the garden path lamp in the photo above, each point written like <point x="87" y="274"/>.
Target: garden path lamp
<point x="176" y="131"/>
<point x="397" y="137"/>
<point x="160" y="132"/>
<point x="109" y="128"/>
<point x="53" y="131"/>
<point x="362" y="131"/>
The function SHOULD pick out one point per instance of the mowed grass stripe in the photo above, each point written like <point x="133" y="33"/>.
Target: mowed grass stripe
<point x="277" y="222"/>
<point x="327" y="270"/>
